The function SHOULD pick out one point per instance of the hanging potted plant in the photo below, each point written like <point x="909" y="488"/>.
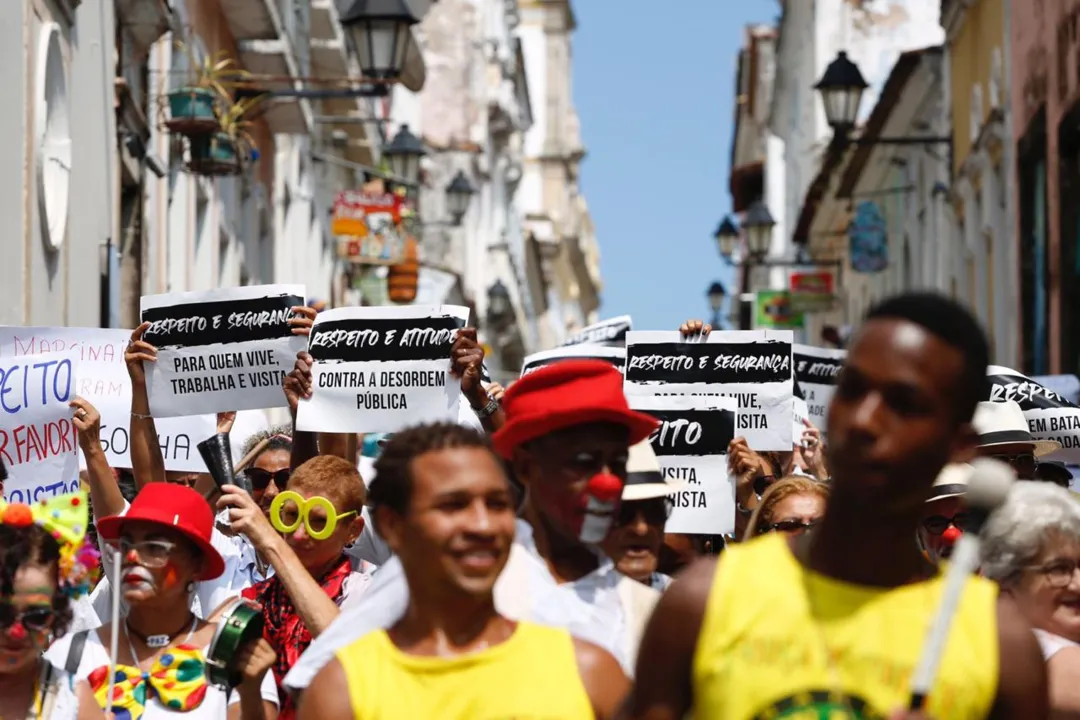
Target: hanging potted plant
<point x="194" y="107"/>
<point x="231" y="147"/>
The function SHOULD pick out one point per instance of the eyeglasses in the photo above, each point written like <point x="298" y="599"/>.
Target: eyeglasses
<point x="290" y="509"/>
<point x="151" y="553"/>
<point x="1058" y="573"/>
<point x="33" y="618"/>
<point x="260" y="479"/>
<point x="791" y="526"/>
<point x="938" y="524"/>
<point x="1024" y="464"/>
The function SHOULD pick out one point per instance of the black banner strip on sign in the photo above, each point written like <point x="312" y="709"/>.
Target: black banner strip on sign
<point x="616" y="361"/>
<point x="815" y="370"/>
<point x="383" y="339"/>
<point x="601" y="334"/>
<point x="1028" y="394"/>
<point x="693" y="432"/>
<point x="222" y="321"/>
<point x="726" y="363"/>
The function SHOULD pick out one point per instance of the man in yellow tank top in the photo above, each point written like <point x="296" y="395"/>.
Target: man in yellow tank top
<point x="831" y="625"/>
<point x="442" y="502"/>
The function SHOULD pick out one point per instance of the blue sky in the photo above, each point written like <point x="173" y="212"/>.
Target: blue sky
<point x="655" y="94"/>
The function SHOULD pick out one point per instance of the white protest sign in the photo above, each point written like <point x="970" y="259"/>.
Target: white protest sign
<point x="816" y="370"/>
<point x="606" y="332"/>
<point x="614" y="355"/>
<point x="798" y="414"/>
<point x="38" y="441"/>
<point x="103" y="380"/>
<point x="691" y="445"/>
<point x="753" y="366"/>
<point x="1049" y="415"/>
<point x="381" y="369"/>
<point x="220" y="350"/>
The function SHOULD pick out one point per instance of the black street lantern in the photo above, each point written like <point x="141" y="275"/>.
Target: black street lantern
<point x="404" y="153"/>
<point x="500" y="310"/>
<point x="458" y="194"/>
<point x="727" y="237"/>
<point x="758" y="225"/>
<point x="841" y="89"/>
<point x="381" y="30"/>
<point x="716" y="294"/>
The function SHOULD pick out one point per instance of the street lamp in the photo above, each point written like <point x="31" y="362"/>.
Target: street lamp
<point x="841" y="87"/>
<point x="381" y="32"/>
<point x="716" y="294"/>
<point x="758" y="225"/>
<point x="458" y="194"/>
<point x="500" y="309"/>
<point x="404" y="153"/>
<point x="727" y="237"/>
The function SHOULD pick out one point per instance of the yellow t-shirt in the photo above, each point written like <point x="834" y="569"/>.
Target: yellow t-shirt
<point x="771" y="626"/>
<point x="532" y="676"/>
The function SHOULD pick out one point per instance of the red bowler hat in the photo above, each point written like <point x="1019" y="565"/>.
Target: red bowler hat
<point x="564" y="394"/>
<point x="173" y="506"/>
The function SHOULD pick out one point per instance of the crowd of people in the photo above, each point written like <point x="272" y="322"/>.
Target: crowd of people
<point x="515" y="564"/>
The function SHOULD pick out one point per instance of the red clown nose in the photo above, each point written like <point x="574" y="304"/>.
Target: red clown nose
<point x="17" y="632"/>
<point x="605" y="487"/>
<point x="951" y="534"/>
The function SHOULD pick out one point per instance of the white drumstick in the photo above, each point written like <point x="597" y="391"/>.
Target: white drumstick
<point x="114" y="639"/>
<point x="988" y="489"/>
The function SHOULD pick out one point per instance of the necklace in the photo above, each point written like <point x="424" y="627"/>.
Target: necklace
<point x="156" y="642"/>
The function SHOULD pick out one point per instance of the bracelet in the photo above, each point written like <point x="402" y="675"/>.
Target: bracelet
<point x="140" y="416"/>
<point x="745" y="512"/>
<point x="488" y="410"/>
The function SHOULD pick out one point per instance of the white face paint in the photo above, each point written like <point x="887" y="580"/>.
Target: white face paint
<point x="598" y="518"/>
<point x="136" y="577"/>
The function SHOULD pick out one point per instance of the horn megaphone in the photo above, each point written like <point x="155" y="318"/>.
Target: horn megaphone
<point x="216" y="452"/>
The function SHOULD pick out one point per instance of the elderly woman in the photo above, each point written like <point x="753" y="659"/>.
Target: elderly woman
<point x="792" y="505"/>
<point x="1031" y="547"/>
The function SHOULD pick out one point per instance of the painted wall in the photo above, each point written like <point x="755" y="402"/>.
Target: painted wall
<point x="974" y="53"/>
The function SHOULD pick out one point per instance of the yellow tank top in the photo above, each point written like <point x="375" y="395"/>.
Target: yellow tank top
<point x="531" y="676"/>
<point x="771" y="626"/>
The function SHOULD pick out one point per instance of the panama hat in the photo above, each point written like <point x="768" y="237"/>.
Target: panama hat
<point x="644" y="478"/>
<point x="1003" y="423"/>
<point x="952" y="481"/>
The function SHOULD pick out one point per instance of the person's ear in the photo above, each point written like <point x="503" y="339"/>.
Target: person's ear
<point x="522" y="463"/>
<point x="388" y="524"/>
<point x="355" y="527"/>
<point x="964" y="444"/>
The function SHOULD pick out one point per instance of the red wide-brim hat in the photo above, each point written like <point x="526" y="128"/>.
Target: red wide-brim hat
<point x="565" y="394"/>
<point x="176" y="507"/>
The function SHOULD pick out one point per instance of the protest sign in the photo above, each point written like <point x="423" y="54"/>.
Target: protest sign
<point x="614" y="355"/>
<point x="1049" y="415"/>
<point x="103" y="380"/>
<point x="220" y="350"/>
<point x="753" y="366"/>
<point x="606" y="332"/>
<point x="38" y="441"/>
<point x="380" y="369"/>
<point x="691" y="445"/>
<point x="798" y="414"/>
<point x="816" y="370"/>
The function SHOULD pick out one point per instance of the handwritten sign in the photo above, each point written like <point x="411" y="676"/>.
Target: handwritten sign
<point x="691" y="445"/>
<point x="380" y="369"/>
<point x="753" y="366"/>
<point x="220" y="350"/>
<point x="38" y="440"/>
<point x="614" y="355"/>
<point x="103" y="380"/>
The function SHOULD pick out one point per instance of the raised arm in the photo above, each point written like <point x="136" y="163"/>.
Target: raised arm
<point x="105" y="496"/>
<point x="147" y="462"/>
<point x="466" y="361"/>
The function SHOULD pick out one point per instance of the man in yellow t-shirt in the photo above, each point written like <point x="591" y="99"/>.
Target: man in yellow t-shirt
<point x="443" y="504"/>
<point x="832" y="624"/>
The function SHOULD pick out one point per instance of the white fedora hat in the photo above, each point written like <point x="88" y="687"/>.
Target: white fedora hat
<point x="1003" y="423"/>
<point x="644" y="478"/>
<point x="952" y="481"/>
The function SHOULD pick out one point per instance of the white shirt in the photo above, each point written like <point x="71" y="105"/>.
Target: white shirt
<point x="589" y="608"/>
<point x="213" y="707"/>
<point x="1052" y="644"/>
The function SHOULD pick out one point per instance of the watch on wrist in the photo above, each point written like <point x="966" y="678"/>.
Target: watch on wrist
<point x="488" y="410"/>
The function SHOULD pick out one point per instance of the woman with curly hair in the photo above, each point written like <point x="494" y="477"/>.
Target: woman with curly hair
<point x="265" y="462"/>
<point x="44" y="564"/>
<point x="793" y="504"/>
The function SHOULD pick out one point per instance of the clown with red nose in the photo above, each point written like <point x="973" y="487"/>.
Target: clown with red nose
<point x="944" y="517"/>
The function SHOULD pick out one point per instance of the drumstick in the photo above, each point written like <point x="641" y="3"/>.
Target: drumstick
<point x="250" y="457"/>
<point x="988" y="489"/>
<point x="114" y="639"/>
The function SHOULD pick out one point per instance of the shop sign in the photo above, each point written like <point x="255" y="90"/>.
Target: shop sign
<point x="367" y="226"/>
<point x="869" y="238"/>
<point x="773" y="310"/>
<point x="812" y="290"/>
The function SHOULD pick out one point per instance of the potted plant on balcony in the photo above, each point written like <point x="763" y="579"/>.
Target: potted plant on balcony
<point x="231" y="147"/>
<point x="194" y="107"/>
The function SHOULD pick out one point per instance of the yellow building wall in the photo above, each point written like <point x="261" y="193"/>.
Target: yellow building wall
<point x="970" y="60"/>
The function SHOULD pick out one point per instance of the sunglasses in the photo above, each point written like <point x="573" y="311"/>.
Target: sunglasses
<point x="656" y="511"/>
<point x="938" y="524"/>
<point x="35" y="618"/>
<point x="790" y="526"/>
<point x="1024" y="464"/>
<point x="260" y="479"/>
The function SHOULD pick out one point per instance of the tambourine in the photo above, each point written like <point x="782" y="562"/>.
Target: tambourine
<point x="240" y="624"/>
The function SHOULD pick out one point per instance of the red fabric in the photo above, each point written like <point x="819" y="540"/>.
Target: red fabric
<point x="177" y="507"/>
<point x="284" y="629"/>
<point x="564" y="394"/>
